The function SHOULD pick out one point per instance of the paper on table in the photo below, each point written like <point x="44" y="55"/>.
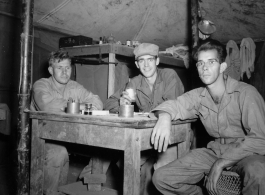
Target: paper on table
<point x="100" y="112"/>
<point x="141" y="113"/>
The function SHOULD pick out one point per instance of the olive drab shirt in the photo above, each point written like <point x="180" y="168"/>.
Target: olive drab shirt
<point x="167" y="86"/>
<point x="46" y="97"/>
<point x="240" y="119"/>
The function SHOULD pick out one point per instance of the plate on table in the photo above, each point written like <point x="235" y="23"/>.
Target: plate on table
<point x="100" y="112"/>
<point x="95" y="112"/>
<point x="141" y="113"/>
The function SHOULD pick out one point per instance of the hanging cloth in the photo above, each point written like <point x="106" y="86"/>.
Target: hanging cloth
<point x="247" y="56"/>
<point x="233" y="60"/>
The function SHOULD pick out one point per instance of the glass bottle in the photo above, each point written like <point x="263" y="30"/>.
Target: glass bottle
<point x="131" y="91"/>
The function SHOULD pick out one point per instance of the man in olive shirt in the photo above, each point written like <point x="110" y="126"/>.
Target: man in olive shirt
<point x="51" y="95"/>
<point x="152" y="87"/>
<point x="232" y="112"/>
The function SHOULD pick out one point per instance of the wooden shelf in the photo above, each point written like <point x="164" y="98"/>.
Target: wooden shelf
<point x="120" y="50"/>
<point x="112" y="50"/>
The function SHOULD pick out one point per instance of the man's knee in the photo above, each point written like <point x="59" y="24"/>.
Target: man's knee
<point x="158" y="177"/>
<point x="166" y="157"/>
<point x="62" y="156"/>
<point x="62" y="153"/>
<point x="255" y="169"/>
<point x="57" y="156"/>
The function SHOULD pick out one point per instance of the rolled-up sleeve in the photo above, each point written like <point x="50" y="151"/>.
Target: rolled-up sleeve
<point x="43" y="99"/>
<point x="184" y="107"/>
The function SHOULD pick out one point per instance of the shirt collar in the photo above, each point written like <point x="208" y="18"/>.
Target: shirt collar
<point x="53" y="85"/>
<point x="144" y="84"/>
<point x="230" y="86"/>
<point x="55" y="88"/>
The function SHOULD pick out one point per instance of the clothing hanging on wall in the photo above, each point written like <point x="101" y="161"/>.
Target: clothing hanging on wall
<point x="233" y="60"/>
<point x="247" y="56"/>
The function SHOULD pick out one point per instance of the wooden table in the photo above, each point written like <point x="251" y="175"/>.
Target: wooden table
<point x="131" y="135"/>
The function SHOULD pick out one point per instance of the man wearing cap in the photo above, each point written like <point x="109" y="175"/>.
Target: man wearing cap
<point x="152" y="87"/>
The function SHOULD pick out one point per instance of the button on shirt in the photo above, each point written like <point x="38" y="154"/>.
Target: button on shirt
<point x="46" y="97"/>
<point x="240" y="120"/>
<point x="167" y="86"/>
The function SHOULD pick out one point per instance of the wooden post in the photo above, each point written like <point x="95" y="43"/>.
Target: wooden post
<point x="184" y="147"/>
<point x="111" y="80"/>
<point x="24" y="97"/>
<point x="37" y="160"/>
<point x="195" y="41"/>
<point x="194" y="22"/>
<point x="97" y="168"/>
<point x="131" y="180"/>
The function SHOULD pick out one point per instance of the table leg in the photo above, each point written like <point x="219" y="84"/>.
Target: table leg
<point x="184" y="147"/>
<point x="97" y="168"/>
<point x="132" y="155"/>
<point x="37" y="160"/>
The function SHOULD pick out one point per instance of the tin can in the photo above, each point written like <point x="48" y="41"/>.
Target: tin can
<point x="100" y="41"/>
<point x="126" y="111"/>
<point x="88" y="107"/>
<point x="73" y="107"/>
<point x="128" y="43"/>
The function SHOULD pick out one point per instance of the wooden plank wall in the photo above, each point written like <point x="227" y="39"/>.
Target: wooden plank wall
<point x="258" y="77"/>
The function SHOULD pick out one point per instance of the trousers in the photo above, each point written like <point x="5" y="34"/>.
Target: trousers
<point x="182" y="175"/>
<point x="151" y="163"/>
<point x="56" y="166"/>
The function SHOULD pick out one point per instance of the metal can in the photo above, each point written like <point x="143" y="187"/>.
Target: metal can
<point x="88" y="107"/>
<point x="126" y="111"/>
<point x="128" y="43"/>
<point x="73" y="107"/>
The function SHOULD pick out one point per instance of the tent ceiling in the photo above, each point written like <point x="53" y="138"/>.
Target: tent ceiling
<point x="162" y="22"/>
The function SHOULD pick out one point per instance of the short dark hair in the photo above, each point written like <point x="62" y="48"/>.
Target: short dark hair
<point x="59" y="56"/>
<point x="210" y="45"/>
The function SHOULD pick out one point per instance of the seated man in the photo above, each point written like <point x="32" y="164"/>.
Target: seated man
<point x="51" y="94"/>
<point x="232" y="112"/>
<point x="152" y="87"/>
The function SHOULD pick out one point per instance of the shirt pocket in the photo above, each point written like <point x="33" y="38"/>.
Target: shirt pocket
<point x="204" y="112"/>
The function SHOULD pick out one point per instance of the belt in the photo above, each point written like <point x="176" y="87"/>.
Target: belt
<point x="229" y="140"/>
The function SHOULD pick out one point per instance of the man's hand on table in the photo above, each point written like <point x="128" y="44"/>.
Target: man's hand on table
<point x="160" y="137"/>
